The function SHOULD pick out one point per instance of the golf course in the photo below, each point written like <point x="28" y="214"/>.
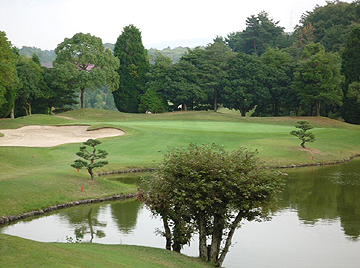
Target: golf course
<point x="34" y="177"/>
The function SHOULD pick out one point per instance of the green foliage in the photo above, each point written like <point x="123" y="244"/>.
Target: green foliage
<point x="302" y="134"/>
<point x="8" y="76"/>
<point x="90" y="156"/>
<point x="317" y="78"/>
<point x="152" y="102"/>
<point x="212" y="64"/>
<point x="245" y="88"/>
<point x="31" y="76"/>
<point x="351" y="70"/>
<point x="133" y="68"/>
<point x="90" y="64"/>
<point x="182" y="85"/>
<point x="279" y="68"/>
<point x="261" y="32"/>
<point x="332" y="23"/>
<point x="210" y="190"/>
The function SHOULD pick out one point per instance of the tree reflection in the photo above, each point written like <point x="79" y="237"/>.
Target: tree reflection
<point x="86" y="221"/>
<point x="125" y="215"/>
<point x="326" y="193"/>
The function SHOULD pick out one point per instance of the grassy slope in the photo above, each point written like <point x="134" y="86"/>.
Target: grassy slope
<point x="18" y="252"/>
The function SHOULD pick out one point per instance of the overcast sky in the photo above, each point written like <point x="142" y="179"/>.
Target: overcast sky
<point x="45" y="23"/>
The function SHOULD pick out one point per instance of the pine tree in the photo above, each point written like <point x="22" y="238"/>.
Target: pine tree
<point x="90" y="156"/>
<point x="302" y="134"/>
<point x="133" y="68"/>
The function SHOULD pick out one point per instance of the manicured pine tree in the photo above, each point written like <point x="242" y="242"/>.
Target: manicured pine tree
<point x="90" y="156"/>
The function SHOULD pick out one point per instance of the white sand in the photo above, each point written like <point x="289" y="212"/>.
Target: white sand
<point x="48" y="136"/>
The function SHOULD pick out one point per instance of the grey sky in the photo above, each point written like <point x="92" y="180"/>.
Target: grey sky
<point x="45" y="23"/>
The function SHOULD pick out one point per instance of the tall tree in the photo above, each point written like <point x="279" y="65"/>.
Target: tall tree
<point x="60" y="81"/>
<point x="317" y="78"/>
<point x="31" y="76"/>
<point x="350" y="68"/>
<point x="95" y="65"/>
<point x="134" y="65"/>
<point x="183" y="87"/>
<point x="8" y="76"/>
<point x="245" y="86"/>
<point x="279" y="68"/>
<point x="213" y="64"/>
<point x="207" y="189"/>
<point x="261" y="32"/>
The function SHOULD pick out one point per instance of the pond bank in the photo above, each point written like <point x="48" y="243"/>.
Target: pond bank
<point x="8" y="219"/>
<point x="335" y="162"/>
<point x="12" y="218"/>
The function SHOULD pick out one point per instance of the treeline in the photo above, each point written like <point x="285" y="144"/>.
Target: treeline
<point x="313" y="71"/>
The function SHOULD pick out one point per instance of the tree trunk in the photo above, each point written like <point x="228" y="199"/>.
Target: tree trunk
<point x="167" y="232"/>
<point x="12" y="115"/>
<point x="215" y="100"/>
<point x="203" y="250"/>
<point x="177" y="236"/>
<point x="26" y="110"/>
<point x="232" y="229"/>
<point x="29" y="104"/>
<point x="91" y="173"/>
<point x="276" y="108"/>
<point x="318" y="105"/>
<point x="216" y="238"/>
<point x="82" y="98"/>
<point x="243" y="111"/>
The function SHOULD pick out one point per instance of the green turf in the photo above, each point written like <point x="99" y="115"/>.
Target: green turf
<point x="28" y="183"/>
<point x="18" y="252"/>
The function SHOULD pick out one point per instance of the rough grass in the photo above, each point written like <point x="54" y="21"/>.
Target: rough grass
<point x="18" y="252"/>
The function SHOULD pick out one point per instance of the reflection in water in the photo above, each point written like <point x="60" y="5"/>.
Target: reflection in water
<point x="86" y="221"/>
<point x="326" y="193"/>
<point x="125" y="214"/>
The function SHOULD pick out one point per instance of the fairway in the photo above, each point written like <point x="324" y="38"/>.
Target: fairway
<point x="33" y="177"/>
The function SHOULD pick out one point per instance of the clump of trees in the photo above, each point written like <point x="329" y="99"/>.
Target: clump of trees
<point x="89" y="158"/>
<point x="312" y="71"/>
<point x="208" y="190"/>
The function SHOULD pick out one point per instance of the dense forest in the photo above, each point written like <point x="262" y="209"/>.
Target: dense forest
<point x="315" y="70"/>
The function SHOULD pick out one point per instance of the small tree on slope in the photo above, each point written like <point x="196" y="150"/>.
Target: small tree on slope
<point x="90" y="156"/>
<point x="302" y="134"/>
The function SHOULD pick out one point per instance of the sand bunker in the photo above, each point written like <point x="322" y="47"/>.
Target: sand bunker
<point x="48" y="136"/>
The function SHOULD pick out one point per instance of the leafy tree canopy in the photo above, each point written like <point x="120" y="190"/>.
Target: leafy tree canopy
<point x="261" y="32"/>
<point x="8" y="76"/>
<point x="332" y="23"/>
<point x="95" y="66"/>
<point x="210" y="190"/>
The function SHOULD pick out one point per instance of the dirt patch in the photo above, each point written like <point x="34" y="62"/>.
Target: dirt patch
<point x="49" y="136"/>
<point x="312" y="151"/>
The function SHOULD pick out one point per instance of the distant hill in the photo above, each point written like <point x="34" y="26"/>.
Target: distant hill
<point x="46" y="56"/>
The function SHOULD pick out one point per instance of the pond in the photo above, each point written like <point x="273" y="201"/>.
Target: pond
<point x="317" y="224"/>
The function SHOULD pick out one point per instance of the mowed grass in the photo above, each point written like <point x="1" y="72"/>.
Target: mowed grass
<point x="18" y="252"/>
<point x="34" y="178"/>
